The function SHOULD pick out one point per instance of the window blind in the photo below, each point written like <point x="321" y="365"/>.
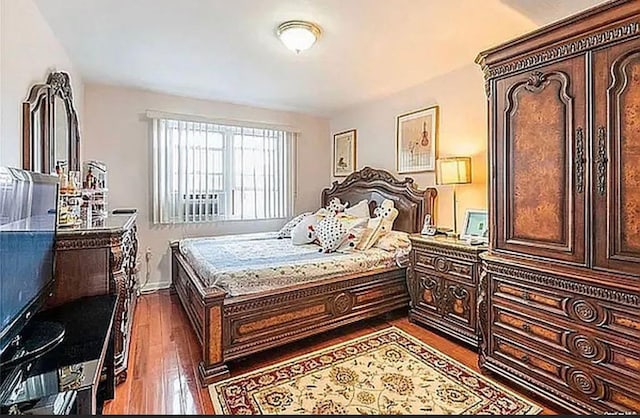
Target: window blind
<point x="204" y="172"/>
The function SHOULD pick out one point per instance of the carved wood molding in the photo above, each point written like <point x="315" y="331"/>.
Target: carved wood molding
<point x="76" y="242"/>
<point x="450" y="253"/>
<point x="563" y="50"/>
<point x="259" y="304"/>
<point x="482" y="307"/>
<point x="568" y="285"/>
<point x="581" y="159"/>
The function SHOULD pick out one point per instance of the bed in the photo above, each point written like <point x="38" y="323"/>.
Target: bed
<point x="267" y="306"/>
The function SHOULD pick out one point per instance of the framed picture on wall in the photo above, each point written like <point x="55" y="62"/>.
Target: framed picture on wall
<point x="344" y="153"/>
<point x="417" y="140"/>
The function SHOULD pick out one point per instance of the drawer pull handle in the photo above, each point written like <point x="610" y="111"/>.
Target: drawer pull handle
<point x="525" y="359"/>
<point x="526" y="327"/>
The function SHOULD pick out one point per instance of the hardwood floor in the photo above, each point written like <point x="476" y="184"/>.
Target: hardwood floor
<point x="165" y="354"/>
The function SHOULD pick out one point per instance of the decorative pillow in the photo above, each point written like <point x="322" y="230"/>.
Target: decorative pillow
<point x="331" y="232"/>
<point x="285" y="232"/>
<point x="304" y="232"/>
<point x="335" y="206"/>
<point x="352" y="240"/>
<point x="361" y="210"/>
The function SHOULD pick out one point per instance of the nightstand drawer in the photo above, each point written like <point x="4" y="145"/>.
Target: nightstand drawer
<point x="437" y="262"/>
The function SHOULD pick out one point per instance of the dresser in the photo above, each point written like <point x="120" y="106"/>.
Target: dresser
<point x="442" y="281"/>
<point x="97" y="260"/>
<point x="559" y="300"/>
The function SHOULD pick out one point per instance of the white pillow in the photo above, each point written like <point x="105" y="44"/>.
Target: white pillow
<point x="304" y="232"/>
<point x="285" y="232"/>
<point x="361" y="210"/>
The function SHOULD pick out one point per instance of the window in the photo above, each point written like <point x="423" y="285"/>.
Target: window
<point x="204" y="172"/>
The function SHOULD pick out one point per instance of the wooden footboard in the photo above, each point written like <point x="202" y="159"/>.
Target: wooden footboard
<point x="234" y="327"/>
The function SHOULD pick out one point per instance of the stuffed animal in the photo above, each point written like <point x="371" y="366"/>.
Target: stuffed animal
<point x="387" y="213"/>
<point x="377" y="227"/>
<point x="335" y="206"/>
<point x="331" y="232"/>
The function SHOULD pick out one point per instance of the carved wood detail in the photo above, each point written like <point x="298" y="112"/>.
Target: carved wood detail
<point x="445" y="287"/>
<point x="483" y="316"/>
<point x="563" y="50"/>
<point x="580" y="160"/>
<point x="611" y="295"/>
<point x="602" y="160"/>
<point x="376" y="185"/>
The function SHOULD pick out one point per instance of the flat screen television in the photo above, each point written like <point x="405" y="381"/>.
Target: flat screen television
<point x="28" y="204"/>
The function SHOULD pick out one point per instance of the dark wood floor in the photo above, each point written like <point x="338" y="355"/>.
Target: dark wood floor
<point x="165" y="354"/>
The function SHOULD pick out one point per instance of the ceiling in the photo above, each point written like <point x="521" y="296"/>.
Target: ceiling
<point x="227" y="50"/>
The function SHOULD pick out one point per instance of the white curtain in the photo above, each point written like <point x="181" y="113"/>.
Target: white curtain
<point x="204" y="172"/>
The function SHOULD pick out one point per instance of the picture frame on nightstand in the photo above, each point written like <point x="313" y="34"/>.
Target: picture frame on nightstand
<point x="476" y="226"/>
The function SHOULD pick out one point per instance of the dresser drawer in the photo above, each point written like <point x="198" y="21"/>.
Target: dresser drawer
<point x="619" y="359"/>
<point x="565" y="379"/>
<point x="593" y="313"/>
<point x="433" y="261"/>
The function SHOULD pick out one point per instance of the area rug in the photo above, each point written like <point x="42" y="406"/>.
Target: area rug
<point x="386" y="372"/>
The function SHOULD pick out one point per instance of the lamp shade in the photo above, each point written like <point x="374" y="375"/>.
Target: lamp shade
<point x="454" y="170"/>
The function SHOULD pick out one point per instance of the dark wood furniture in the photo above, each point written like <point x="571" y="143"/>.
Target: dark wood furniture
<point x="559" y="302"/>
<point x="50" y="126"/>
<point x="97" y="260"/>
<point x="443" y="281"/>
<point x="229" y="328"/>
<point x="80" y="369"/>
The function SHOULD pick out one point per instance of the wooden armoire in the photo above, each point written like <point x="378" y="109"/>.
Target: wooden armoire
<point x="559" y="296"/>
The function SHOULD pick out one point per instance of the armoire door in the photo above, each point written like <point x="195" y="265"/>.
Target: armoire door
<point x="616" y="158"/>
<point x="540" y="163"/>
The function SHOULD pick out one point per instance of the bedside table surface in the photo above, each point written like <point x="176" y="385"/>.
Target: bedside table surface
<point x="450" y="242"/>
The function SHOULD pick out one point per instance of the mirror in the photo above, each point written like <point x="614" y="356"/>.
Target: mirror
<point x="61" y="142"/>
<point x="50" y="132"/>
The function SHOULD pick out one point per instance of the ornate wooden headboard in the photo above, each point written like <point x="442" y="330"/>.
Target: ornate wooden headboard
<point x="376" y="185"/>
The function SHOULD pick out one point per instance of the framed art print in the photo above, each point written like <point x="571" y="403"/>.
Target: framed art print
<point x="344" y="153"/>
<point x="417" y="140"/>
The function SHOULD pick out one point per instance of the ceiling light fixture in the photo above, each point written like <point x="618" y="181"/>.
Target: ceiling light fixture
<point x="298" y="35"/>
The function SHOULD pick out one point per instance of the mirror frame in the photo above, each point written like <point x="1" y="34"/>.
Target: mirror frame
<point x="42" y="95"/>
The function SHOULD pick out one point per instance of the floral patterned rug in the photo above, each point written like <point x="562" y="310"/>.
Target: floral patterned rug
<point x="386" y="372"/>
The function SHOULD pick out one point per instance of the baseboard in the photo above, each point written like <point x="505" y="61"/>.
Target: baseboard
<point x="153" y="287"/>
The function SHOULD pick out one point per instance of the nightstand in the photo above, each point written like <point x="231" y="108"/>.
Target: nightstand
<point x="443" y="281"/>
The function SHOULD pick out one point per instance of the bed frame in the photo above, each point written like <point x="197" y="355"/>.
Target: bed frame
<point x="229" y="328"/>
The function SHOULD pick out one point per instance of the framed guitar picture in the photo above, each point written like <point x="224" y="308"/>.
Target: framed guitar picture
<point x="417" y="140"/>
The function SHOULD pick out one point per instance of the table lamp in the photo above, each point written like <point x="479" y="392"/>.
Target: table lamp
<point x="454" y="171"/>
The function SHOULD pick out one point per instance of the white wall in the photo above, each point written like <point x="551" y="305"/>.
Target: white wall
<point x="28" y="52"/>
<point x="463" y="132"/>
<point x="117" y="133"/>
